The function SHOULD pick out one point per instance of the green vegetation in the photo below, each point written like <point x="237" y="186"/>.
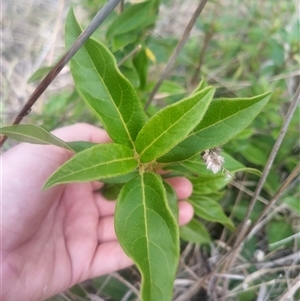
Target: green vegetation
<point x="238" y="54"/>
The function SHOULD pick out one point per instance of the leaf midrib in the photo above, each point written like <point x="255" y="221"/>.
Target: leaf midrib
<point x="172" y="125"/>
<point x="120" y="116"/>
<point x="146" y="222"/>
<point x="122" y="97"/>
<point x="220" y="121"/>
<point x="38" y="139"/>
<point x="99" y="165"/>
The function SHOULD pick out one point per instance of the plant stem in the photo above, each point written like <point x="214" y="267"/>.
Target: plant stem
<point x="294" y="104"/>
<point x="195" y="78"/>
<point x="255" y="227"/>
<point x="176" y="51"/>
<point x="244" y="229"/>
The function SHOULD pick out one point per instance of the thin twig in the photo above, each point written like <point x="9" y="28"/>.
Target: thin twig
<point x="131" y="53"/>
<point x="224" y="232"/>
<point x="195" y="78"/>
<point x="236" y="205"/>
<point x="228" y="265"/>
<point x="249" y="192"/>
<point x="289" y="293"/>
<point x="95" y="23"/>
<point x="285" y="184"/>
<point x="176" y="51"/>
<point x="255" y="276"/>
<point x="122" y="6"/>
<point x="103" y="285"/>
<point x="244" y="228"/>
<point x="283" y="130"/>
<point x="193" y="289"/>
<point x="127" y="283"/>
<point x="282" y="261"/>
<point x="270" y="283"/>
<point x="241" y="188"/>
<point x="262" y="293"/>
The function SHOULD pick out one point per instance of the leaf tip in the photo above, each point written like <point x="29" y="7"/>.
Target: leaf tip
<point x="46" y="186"/>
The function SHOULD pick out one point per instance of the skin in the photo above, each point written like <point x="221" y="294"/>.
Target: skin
<point x="56" y="238"/>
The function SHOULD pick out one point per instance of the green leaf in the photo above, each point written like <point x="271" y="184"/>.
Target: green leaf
<point x="121" y="179"/>
<point x="197" y="166"/>
<point x="172" y="199"/>
<point x="134" y="17"/>
<point x="210" y="210"/>
<point x="224" y="119"/>
<point x="140" y="62"/>
<point x="122" y="40"/>
<point x="148" y="233"/>
<point x="293" y="202"/>
<point x="113" y="287"/>
<point x="39" y="74"/>
<point x="239" y="212"/>
<point x="128" y="70"/>
<point x="131" y="25"/>
<point x="32" y="134"/>
<point x="255" y="155"/>
<point x="78" y="290"/>
<point x="168" y="88"/>
<point x="279" y="234"/>
<point x="207" y="184"/>
<point x="171" y="125"/>
<point x="79" y="146"/>
<point x="201" y="86"/>
<point x="195" y="232"/>
<point x="247" y="295"/>
<point x="234" y="166"/>
<point x="111" y="191"/>
<point x="277" y="53"/>
<point x="95" y="163"/>
<point x="107" y="92"/>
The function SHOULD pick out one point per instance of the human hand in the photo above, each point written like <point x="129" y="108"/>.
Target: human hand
<point x="55" y="238"/>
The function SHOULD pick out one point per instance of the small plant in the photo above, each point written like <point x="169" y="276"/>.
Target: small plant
<point x="173" y="138"/>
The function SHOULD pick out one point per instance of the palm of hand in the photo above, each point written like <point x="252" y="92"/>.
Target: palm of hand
<point x="55" y="238"/>
<point x="62" y="236"/>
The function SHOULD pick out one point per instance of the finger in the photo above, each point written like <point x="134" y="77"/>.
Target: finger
<point x="82" y="132"/>
<point x="106" y="230"/>
<point x="96" y="185"/>
<point x="105" y="207"/>
<point x="114" y="257"/>
<point x="183" y="187"/>
<point x="186" y="212"/>
<point x="109" y="257"/>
